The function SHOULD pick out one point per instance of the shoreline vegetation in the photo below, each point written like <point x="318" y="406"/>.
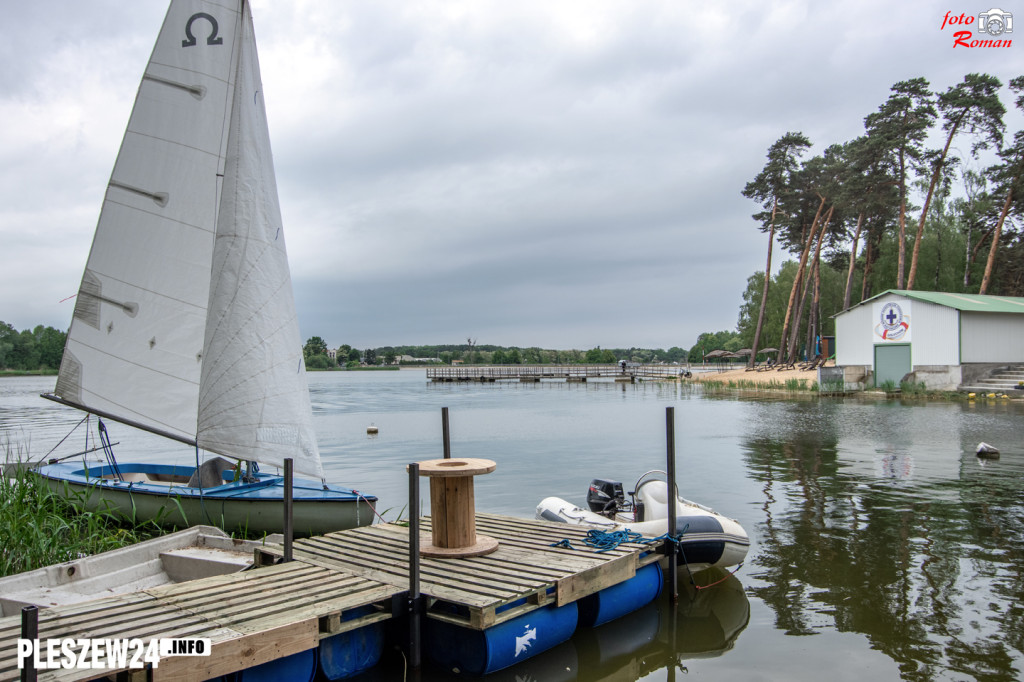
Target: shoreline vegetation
<point x="28" y="372"/>
<point x="41" y="529"/>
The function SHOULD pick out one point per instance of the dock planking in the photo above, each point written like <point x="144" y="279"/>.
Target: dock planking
<point x="250" y="617"/>
<point x="278" y="609"/>
<point x="525" y="573"/>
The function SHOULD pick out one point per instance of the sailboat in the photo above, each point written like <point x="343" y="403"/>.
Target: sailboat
<point x="184" y="324"/>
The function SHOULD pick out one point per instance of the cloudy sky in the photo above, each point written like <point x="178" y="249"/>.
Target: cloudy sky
<point x="556" y="173"/>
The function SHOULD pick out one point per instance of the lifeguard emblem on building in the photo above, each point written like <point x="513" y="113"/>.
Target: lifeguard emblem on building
<point x="892" y="321"/>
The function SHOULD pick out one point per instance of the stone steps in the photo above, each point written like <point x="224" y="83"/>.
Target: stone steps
<point x="1005" y="381"/>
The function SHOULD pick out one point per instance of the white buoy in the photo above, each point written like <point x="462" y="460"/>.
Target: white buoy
<point x="986" y="450"/>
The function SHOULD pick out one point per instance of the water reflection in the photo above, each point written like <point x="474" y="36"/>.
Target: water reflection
<point x="870" y="527"/>
<point x="654" y="639"/>
<point x="877" y="535"/>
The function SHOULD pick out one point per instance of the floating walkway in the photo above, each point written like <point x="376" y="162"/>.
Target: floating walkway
<point x="338" y="583"/>
<point x="571" y="373"/>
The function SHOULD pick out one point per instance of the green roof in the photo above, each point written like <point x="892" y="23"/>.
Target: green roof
<point x="975" y="303"/>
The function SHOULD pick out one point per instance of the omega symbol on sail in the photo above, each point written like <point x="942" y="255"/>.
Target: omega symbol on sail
<point x="212" y="39"/>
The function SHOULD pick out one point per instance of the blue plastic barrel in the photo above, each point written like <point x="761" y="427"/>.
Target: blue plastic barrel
<point x="349" y="653"/>
<point x="478" y="652"/>
<point x="618" y="600"/>
<point x="300" y="667"/>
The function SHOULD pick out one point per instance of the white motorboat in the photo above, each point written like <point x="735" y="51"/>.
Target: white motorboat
<point x="705" y="537"/>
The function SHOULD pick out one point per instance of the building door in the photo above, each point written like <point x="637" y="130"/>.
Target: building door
<point x="892" y="363"/>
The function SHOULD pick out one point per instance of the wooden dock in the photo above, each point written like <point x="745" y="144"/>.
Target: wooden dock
<point x="276" y="610"/>
<point x="571" y="373"/>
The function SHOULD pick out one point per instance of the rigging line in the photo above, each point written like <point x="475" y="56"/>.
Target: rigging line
<point x="86" y="417"/>
<point x="108" y="450"/>
<point x="83" y="452"/>
<point x="370" y="505"/>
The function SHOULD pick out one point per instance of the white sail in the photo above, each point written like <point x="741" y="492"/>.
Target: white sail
<point x="186" y="292"/>
<point x="253" y="400"/>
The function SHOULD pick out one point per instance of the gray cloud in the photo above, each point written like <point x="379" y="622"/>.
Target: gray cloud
<point x="562" y="174"/>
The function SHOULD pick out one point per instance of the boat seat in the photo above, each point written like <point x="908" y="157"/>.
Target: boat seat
<point x="210" y="473"/>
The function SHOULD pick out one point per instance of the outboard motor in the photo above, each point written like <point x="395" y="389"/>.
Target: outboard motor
<point x="605" y="497"/>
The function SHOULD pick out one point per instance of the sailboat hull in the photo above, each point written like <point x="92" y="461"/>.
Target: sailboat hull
<point x="157" y="493"/>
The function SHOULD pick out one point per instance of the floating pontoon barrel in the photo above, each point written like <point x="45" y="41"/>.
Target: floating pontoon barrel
<point x="478" y="652"/>
<point x="625" y="597"/>
<point x="350" y="653"/>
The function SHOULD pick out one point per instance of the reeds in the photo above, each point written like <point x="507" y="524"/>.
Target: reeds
<point x="791" y="385"/>
<point x="39" y="528"/>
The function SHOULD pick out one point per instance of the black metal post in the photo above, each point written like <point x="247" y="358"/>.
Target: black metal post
<point x="288" y="518"/>
<point x="30" y="631"/>
<point x="445" y="434"/>
<point x="670" y="469"/>
<point x="414" y="566"/>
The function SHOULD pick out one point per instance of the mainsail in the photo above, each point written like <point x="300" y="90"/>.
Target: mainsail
<point x="185" y="321"/>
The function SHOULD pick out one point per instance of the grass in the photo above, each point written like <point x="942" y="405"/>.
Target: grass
<point x="39" y="528"/>
<point x="833" y="387"/>
<point x="909" y="388"/>
<point x="791" y="385"/>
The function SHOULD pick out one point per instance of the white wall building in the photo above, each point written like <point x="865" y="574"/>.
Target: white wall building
<point x="945" y="341"/>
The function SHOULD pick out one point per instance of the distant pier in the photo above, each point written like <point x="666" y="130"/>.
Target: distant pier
<point x="572" y="373"/>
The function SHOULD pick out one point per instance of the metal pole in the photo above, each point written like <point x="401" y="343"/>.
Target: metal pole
<point x="30" y="631"/>
<point x="288" y="519"/>
<point x="670" y="469"/>
<point x="414" y="566"/>
<point x="445" y="434"/>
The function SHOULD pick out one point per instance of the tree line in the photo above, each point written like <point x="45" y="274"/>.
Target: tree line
<point x="30" y="350"/>
<point x="315" y="352"/>
<point x="847" y="215"/>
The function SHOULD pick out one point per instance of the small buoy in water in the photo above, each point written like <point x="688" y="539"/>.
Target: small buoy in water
<point x="991" y="395"/>
<point x="987" y="451"/>
<point x="371" y="429"/>
<point x="972" y="395"/>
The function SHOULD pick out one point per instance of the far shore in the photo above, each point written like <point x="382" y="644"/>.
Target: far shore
<point x="755" y="377"/>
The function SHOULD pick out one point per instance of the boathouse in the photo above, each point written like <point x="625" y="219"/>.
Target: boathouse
<point x="945" y="341"/>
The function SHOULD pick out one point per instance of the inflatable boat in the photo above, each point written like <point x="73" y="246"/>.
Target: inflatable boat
<point x="706" y="537"/>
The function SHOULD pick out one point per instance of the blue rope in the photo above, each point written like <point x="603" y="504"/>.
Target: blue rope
<point x="607" y="540"/>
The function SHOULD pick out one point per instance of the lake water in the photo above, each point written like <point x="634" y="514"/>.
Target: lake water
<point x="882" y="548"/>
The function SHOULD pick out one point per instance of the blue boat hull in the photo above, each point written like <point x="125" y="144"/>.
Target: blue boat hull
<point x="155" y="492"/>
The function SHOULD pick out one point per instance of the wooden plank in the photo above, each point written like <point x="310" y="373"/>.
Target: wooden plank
<point x="588" y="582"/>
<point x="503" y="570"/>
<point x="243" y="651"/>
<point x="491" y="574"/>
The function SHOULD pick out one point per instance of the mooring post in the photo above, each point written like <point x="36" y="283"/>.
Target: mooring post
<point x="288" y="519"/>
<point x="670" y="469"/>
<point x="30" y="631"/>
<point x="414" y="565"/>
<point x="445" y="436"/>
